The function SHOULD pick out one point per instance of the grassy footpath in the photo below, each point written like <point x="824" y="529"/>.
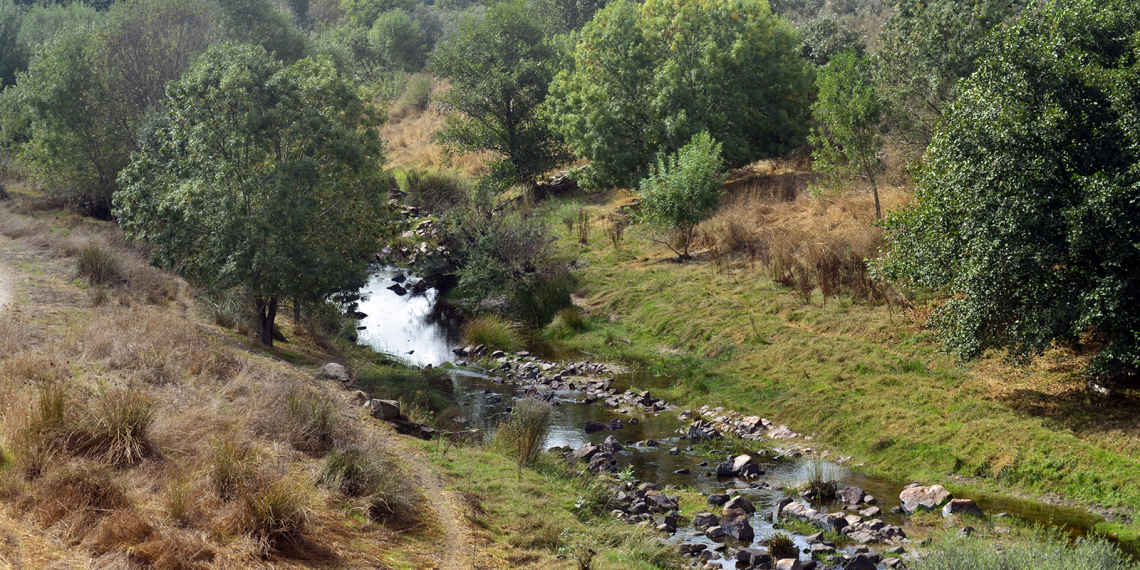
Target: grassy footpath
<point x="864" y="380"/>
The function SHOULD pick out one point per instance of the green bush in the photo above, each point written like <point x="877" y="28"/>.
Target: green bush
<point x="436" y="191"/>
<point x="523" y="434"/>
<point x="493" y="331"/>
<point x="417" y="94"/>
<point x="567" y="322"/>
<point x="98" y="265"/>
<point x="683" y="190"/>
<point x="542" y="298"/>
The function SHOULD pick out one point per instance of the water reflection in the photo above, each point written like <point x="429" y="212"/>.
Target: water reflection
<point x="412" y="327"/>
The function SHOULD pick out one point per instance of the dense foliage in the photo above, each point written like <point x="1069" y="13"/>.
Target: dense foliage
<point x="925" y="48"/>
<point x="1027" y="211"/>
<point x="683" y="190"/>
<point x="647" y="77"/>
<point x="500" y="69"/>
<point x="262" y="177"/>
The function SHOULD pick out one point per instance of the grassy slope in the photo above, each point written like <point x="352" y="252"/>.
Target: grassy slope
<point x="868" y="381"/>
<point x="144" y="334"/>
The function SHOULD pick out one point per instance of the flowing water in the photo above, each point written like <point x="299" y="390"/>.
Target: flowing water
<point x="422" y="332"/>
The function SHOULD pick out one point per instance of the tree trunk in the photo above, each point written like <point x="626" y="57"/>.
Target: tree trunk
<point x="266" y="314"/>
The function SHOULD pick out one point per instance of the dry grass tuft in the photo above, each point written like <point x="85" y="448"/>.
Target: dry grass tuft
<point x="275" y="509"/>
<point x="177" y="549"/>
<point x="117" y="427"/>
<point x="768" y="219"/>
<point x="233" y="463"/>
<point x="315" y="419"/>
<point x="75" y="498"/>
<point x="360" y="471"/>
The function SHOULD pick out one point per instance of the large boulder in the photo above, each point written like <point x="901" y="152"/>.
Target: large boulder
<point x="789" y="564"/>
<point x="741" y="503"/>
<point x="738" y="466"/>
<point x="584" y="453"/>
<point x="753" y="556"/>
<point x="334" y="371"/>
<point x="962" y="507"/>
<point x="916" y="498"/>
<point x="386" y="410"/>
<point x="611" y="425"/>
<point x="851" y="495"/>
<point x="705" y="520"/>
<point x="735" y="524"/>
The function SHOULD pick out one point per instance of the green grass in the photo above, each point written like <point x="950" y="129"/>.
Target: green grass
<point x="493" y="331"/>
<point x="860" y="378"/>
<point x="543" y="512"/>
<point x="1021" y="548"/>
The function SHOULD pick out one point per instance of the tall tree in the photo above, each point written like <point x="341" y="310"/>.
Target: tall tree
<point x="500" y="70"/>
<point x="1027" y="207"/>
<point x="924" y="50"/>
<point x="849" y="122"/>
<point x="264" y="177"/>
<point x="263" y="23"/>
<point x="89" y="90"/>
<point x="647" y="77"/>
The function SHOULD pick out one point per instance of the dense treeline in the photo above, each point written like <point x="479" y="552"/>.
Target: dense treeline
<point x="622" y="84"/>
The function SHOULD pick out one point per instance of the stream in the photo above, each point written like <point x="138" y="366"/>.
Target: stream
<point x="422" y="332"/>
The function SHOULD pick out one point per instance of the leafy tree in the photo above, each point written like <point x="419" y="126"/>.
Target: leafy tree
<point x="569" y="15"/>
<point x="849" y="113"/>
<point x="265" y="177"/>
<point x="262" y="23"/>
<point x="397" y="41"/>
<point x="13" y="56"/>
<point x="1027" y="208"/>
<point x="824" y="36"/>
<point x="363" y="13"/>
<point x="500" y="70"/>
<point x="683" y="190"/>
<point x="925" y="48"/>
<point x="647" y="77"/>
<point x="88" y="91"/>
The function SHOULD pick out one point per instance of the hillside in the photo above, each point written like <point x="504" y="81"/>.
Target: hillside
<point x="137" y="433"/>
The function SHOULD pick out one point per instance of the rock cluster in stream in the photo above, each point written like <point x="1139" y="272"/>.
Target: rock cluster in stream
<point x="728" y="525"/>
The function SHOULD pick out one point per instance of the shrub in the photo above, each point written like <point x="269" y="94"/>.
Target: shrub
<point x="230" y="308"/>
<point x="275" y="510"/>
<point x="435" y="191"/>
<point x="417" y="93"/>
<point x="363" y="472"/>
<point x="314" y="419"/>
<point x="99" y="265"/>
<point x="523" y="434"/>
<point x="117" y="426"/>
<point x="821" y="482"/>
<point x="44" y="432"/>
<point x="683" y="190"/>
<point x="567" y="322"/>
<point x="492" y="331"/>
<point x="231" y="468"/>
<point x="781" y="546"/>
<point x="541" y="298"/>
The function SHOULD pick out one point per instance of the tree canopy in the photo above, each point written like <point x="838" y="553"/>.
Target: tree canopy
<point x="647" y="77"/>
<point x="683" y="190"/>
<point x="1028" y="209"/>
<point x="262" y="177"/>
<point x="500" y="69"/>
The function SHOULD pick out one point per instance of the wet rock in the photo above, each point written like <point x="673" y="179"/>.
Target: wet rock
<point x="871" y="512"/>
<point x="738" y="466"/>
<point x="584" y="453"/>
<point x="851" y="495"/>
<point x="681" y="472"/>
<point x="611" y="425"/>
<point x="715" y="532"/>
<point x="753" y="556"/>
<point x="962" y="507"/>
<point x="915" y="498"/>
<point x="611" y="445"/>
<point x="397" y="289"/>
<point x="705" y="520"/>
<point x="740" y="503"/>
<point x="399" y="278"/>
<point x="860" y="562"/>
<point x="789" y="564"/>
<point x="735" y="524"/>
<point x="717" y="500"/>
<point x="689" y="549"/>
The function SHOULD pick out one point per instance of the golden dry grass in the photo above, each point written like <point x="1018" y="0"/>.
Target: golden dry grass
<point x="408" y="133"/>
<point x="121" y="482"/>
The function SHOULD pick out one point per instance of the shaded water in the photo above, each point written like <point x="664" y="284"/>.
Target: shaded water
<point x="412" y="328"/>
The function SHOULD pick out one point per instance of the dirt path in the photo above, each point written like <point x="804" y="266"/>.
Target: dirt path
<point x="7" y="282"/>
<point x="459" y="544"/>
